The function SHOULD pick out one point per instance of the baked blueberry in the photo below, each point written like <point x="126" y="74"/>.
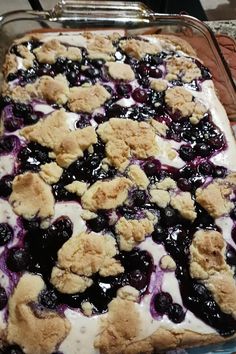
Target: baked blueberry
<point x="6" y="233"/>
<point x="151" y="167"/>
<point x="159" y="234"/>
<point x="98" y="224"/>
<point x="184" y="184"/>
<point x="140" y="95"/>
<point x="48" y="298"/>
<point x="162" y="302"/>
<point x="13" y="349"/>
<point x="18" y="259"/>
<point x="186" y="153"/>
<point x="6" y="185"/>
<point x="7" y="144"/>
<point x="169" y="216"/>
<point x="139" y="197"/>
<point x="176" y="313"/>
<point x="3" y="298"/>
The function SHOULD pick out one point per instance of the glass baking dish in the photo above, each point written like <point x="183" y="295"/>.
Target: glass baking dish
<point x="129" y="18"/>
<point x="133" y="17"/>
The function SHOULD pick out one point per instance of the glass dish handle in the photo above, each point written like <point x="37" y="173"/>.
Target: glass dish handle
<point x="100" y="9"/>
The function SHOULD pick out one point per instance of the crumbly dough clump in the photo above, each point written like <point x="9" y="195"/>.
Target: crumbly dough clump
<point x="120" y="71"/>
<point x="167" y="263"/>
<point x="77" y="187"/>
<point x="138" y="176"/>
<point x="31" y="196"/>
<point x="106" y="194"/>
<point x="160" y="197"/>
<point x="182" y="67"/>
<point x="69" y="283"/>
<point x="208" y="264"/>
<point x="184" y="203"/>
<point x="100" y="47"/>
<point x="131" y="232"/>
<point x="166" y="184"/>
<point x="89" y="253"/>
<point x="118" y="328"/>
<point x="207" y="254"/>
<point x="128" y="136"/>
<point x="50" y="172"/>
<point x="213" y="199"/>
<point x="35" y="331"/>
<point x="10" y="64"/>
<point x="27" y="55"/>
<point x="139" y="48"/>
<point x="51" y="50"/>
<point x="87" y="99"/>
<point x="159" y="85"/>
<point x="181" y="100"/>
<point x="53" y="89"/>
<point x="160" y="128"/>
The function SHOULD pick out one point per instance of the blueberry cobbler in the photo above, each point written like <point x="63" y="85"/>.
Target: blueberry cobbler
<point x="117" y="197"/>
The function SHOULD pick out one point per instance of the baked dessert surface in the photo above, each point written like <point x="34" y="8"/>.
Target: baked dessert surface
<point x="117" y="197"/>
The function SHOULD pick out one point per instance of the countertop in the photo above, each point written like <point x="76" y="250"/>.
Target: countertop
<point x="223" y="27"/>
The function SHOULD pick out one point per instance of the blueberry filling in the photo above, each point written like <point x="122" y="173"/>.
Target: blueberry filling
<point x="162" y="302"/>
<point x="18" y="259"/>
<point x="3" y="298"/>
<point x="6" y="233"/>
<point x="6" y="186"/>
<point x="12" y="349"/>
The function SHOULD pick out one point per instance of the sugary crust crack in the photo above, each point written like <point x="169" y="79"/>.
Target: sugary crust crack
<point x="87" y="99"/>
<point x="159" y="85"/>
<point x="213" y="199"/>
<point x="89" y="253"/>
<point x="31" y="196"/>
<point x="184" y="203"/>
<point x="207" y="254"/>
<point x="181" y="100"/>
<point x="10" y="64"/>
<point x="73" y="145"/>
<point x="160" y="197"/>
<point x="131" y="232"/>
<point x="50" y="172"/>
<point x="139" y="138"/>
<point x="51" y="50"/>
<point x="69" y="283"/>
<point x="138" y="176"/>
<point x="35" y="333"/>
<point x="182" y="67"/>
<point x="139" y="48"/>
<point x="106" y="194"/>
<point x="118" y="328"/>
<point x="77" y="187"/>
<point x="120" y="71"/>
<point x="100" y="47"/>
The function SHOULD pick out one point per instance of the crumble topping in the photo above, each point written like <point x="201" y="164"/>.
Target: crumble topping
<point x="159" y="85"/>
<point x="77" y="187"/>
<point x="181" y="100"/>
<point x="166" y="184"/>
<point x="10" y="64"/>
<point x="87" y="99"/>
<point x="208" y="264"/>
<point x="207" y="254"/>
<point x="118" y="153"/>
<point x="129" y="293"/>
<point x="50" y="172"/>
<point x="36" y="331"/>
<point x="53" y="89"/>
<point x="87" y="215"/>
<point x="31" y="196"/>
<point x="131" y="232"/>
<point x="48" y="132"/>
<point x="119" y="327"/>
<point x="213" y="199"/>
<point x="160" y="197"/>
<point x="184" y="203"/>
<point x="138" y="48"/>
<point x="139" y="138"/>
<point x="89" y="253"/>
<point x="87" y="308"/>
<point x="224" y="289"/>
<point x="120" y="71"/>
<point x="106" y="194"/>
<point x="100" y="47"/>
<point x="73" y="145"/>
<point x="51" y="50"/>
<point x="160" y="128"/>
<point x="69" y="283"/>
<point x="167" y="263"/>
<point x="182" y="67"/>
<point x="28" y="57"/>
<point x="138" y="176"/>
